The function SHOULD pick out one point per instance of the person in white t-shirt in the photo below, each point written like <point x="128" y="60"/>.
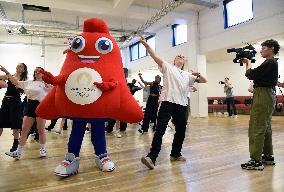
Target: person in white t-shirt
<point x="174" y="102"/>
<point x="35" y="91"/>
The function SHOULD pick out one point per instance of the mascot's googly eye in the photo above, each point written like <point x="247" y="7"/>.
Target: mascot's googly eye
<point x="77" y="44"/>
<point x="104" y="45"/>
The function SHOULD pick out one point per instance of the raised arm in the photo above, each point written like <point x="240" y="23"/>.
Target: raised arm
<point x="3" y="77"/>
<point x="200" y="78"/>
<point x="9" y="76"/>
<point x="142" y="86"/>
<point x="151" y="52"/>
<point x="143" y="81"/>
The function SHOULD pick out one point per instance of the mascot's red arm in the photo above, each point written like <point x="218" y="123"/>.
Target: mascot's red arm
<point x="50" y="79"/>
<point x="106" y="86"/>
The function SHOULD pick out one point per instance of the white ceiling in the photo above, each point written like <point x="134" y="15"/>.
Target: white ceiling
<point x="125" y="15"/>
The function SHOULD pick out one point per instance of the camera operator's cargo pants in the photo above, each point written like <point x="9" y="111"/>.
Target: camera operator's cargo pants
<point x="260" y="133"/>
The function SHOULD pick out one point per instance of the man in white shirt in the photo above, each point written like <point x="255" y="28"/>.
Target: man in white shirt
<point x="176" y="86"/>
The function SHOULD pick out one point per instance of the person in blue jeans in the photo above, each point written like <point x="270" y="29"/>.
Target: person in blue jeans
<point x="230" y="99"/>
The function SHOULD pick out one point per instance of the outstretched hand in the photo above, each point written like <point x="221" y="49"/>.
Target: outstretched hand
<point x="143" y="40"/>
<point x="4" y="69"/>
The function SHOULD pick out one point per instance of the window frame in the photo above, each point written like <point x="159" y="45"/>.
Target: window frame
<point x="174" y="26"/>
<point x="225" y="14"/>
<point x="139" y="44"/>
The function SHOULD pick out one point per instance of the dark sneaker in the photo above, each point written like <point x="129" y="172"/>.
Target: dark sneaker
<point x="253" y="165"/>
<point x="142" y="131"/>
<point x="267" y="160"/>
<point x="148" y="162"/>
<point x="180" y="158"/>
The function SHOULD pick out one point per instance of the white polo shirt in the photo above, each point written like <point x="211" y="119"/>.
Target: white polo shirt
<point x="35" y="90"/>
<point x="176" y="84"/>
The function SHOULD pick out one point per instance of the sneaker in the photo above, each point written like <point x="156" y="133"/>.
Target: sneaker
<point x="142" y="131"/>
<point x="14" y="154"/>
<point x="42" y="153"/>
<point x="104" y="163"/>
<point x="180" y="158"/>
<point x="267" y="160"/>
<point x="14" y="148"/>
<point x="253" y="165"/>
<point x="235" y="116"/>
<point x="148" y="162"/>
<point x="69" y="166"/>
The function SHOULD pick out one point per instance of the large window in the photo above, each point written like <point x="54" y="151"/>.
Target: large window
<point x="137" y="50"/>
<point x="179" y="34"/>
<point x="237" y="11"/>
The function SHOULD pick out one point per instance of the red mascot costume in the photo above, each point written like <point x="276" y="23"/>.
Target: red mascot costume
<point x="91" y="88"/>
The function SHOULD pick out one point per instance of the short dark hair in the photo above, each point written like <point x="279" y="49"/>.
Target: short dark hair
<point x="271" y="43"/>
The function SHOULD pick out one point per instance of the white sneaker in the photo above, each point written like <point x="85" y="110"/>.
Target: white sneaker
<point x="104" y="163"/>
<point x="14" y="154"/>
<point x="236" y="116"/>
<point x="69" y="166"/>
<point x="42" y="153"/>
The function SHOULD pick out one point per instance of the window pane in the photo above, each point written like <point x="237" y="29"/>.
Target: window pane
<point x="180" y="33"/>
<point x="151" y="42"/>
<point x="142" y="50"/>
<point x="238" y="11"/>
<point x="134" y="52"/>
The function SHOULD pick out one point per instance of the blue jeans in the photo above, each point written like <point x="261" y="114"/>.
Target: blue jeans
<point x="231" y="102"/>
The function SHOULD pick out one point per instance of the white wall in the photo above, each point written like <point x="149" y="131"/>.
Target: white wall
<point x="13" y="54"/>
<point x="268" y="21"/>
<point x="163" y="49"/>
<point x="218" y="71"/>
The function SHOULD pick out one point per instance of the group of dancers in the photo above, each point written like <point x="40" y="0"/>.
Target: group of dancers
<point x="172" y="99"/>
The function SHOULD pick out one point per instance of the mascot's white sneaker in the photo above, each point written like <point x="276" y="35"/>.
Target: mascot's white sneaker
<point x="69" y="166"/>
<point x="104" y="163"/>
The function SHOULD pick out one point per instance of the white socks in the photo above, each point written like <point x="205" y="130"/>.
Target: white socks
<point x="20" y="149"/>
<point x="42" y="146"/>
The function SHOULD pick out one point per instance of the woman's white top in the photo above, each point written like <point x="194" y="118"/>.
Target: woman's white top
<point x="34" y="90"/>
<point x="176" y="84"/>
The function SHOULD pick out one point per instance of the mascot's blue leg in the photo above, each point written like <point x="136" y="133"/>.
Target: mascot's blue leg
<point x="76" y="137"/>
<point x="98" y="137"/>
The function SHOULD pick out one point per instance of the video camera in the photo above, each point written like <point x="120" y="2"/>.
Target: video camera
<point x="245" y="52"/>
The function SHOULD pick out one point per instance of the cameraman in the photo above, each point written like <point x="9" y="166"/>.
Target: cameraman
<point x="230" y="100"/>
<point x="265" y="79"/>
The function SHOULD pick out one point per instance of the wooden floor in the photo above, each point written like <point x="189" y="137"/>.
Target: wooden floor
<point x="215" y="147"/>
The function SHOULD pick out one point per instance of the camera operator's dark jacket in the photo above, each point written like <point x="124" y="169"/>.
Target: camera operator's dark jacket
<point x="265" y="75"/>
